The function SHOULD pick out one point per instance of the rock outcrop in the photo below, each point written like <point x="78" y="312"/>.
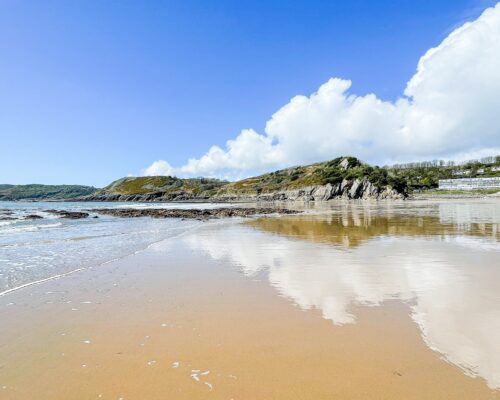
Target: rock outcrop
<point x="69" y="214"/>
<point x="200" y="214"/>
<point x="33" y="216"/>
<point x="146" y="197"/>
<point x="357" y="189"/>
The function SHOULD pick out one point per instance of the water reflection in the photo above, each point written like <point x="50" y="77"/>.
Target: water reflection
<point x="444" y="262"/>
<point x="349" y="225"/>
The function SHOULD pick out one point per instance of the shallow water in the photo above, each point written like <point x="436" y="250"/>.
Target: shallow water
<point x="445" y="264"/>
<point x="37" y="249"/>
<point x="349" y="300"/>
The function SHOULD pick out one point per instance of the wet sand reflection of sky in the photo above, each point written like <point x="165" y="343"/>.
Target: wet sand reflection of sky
<point x="445" y="264"/>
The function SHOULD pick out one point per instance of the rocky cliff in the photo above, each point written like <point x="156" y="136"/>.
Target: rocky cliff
<point x="344" y="177"/>
<point x="347" y="189"/>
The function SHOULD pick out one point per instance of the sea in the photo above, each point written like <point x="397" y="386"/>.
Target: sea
<point x="33" y="250"/>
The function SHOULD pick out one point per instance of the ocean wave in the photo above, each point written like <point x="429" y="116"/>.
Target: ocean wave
<point x="7" y="223"/>
<point x="41" y="260"/>
<point x="28" y="228"/>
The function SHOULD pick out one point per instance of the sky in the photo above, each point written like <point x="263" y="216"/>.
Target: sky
<point x="91" y="91"/>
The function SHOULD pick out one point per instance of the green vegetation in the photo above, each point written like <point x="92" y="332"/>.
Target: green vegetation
<point x="426" y="175"/>
<point x="332" y="172"/>
<point x="163" y="184"/>
<point x="43" y="192"/>
<point x="405" y="178"/>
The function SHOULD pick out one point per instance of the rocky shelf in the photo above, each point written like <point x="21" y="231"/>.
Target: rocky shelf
<point x="69" y="214"/>
<point x="200" y="214"/>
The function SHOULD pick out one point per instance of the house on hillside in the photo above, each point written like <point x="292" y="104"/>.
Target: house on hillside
<point x="461" y="172"/>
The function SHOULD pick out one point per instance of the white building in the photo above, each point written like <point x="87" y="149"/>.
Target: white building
<point x="461" y="173"/>
<point x="470" y="183"/>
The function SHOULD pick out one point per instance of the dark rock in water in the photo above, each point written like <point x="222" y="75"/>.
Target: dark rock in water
<point x="191" y="213"/>
<point x="33" y="216"/>
<point x="69" y="214"/>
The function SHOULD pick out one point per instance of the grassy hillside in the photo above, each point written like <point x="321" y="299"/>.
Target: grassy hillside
<point x="332" y="172"/>
<point x="43" y="192"/>
<point x="162" y="184"/>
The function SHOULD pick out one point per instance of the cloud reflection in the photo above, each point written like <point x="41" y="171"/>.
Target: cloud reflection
<point x="448" y="272"/>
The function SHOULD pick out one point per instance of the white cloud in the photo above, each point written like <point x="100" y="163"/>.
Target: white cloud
<point x="159" y="167"/>
<point x="450" y="109"/>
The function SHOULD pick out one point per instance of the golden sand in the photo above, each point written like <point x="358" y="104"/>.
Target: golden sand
<point x="187" y="319"/>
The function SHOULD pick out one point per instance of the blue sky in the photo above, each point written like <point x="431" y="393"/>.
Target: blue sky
<point x="93" y="90"/>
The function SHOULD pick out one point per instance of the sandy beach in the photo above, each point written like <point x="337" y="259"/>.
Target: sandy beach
<point x="249" y="200"/>
<point x="337" y="304"/>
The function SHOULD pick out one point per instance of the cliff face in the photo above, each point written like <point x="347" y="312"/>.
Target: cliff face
<point x="344" y="177"/>
<point x="357" y="189"/>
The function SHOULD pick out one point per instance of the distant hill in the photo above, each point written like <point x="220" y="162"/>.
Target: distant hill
<point x="345" y="177"/>
<point x="44" y="192"/>
<point x="166" y="188"/>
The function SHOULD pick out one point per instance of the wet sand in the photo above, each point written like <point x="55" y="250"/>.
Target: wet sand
<point x="283" y="308"/>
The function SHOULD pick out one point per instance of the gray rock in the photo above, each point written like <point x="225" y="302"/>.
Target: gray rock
<point x="344" y="164"/>
<point x="69" y="214"/>
<point x="33" y="216"/>
<point x="191" y="213"/>
<point x="355" y="189"/>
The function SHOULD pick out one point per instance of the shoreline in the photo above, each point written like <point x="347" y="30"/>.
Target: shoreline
<point x="96" y="265"/>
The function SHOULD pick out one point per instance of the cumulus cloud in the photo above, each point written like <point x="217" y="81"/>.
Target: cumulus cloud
<point x="159" y="167"/>
<point x="450" y="109"/>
